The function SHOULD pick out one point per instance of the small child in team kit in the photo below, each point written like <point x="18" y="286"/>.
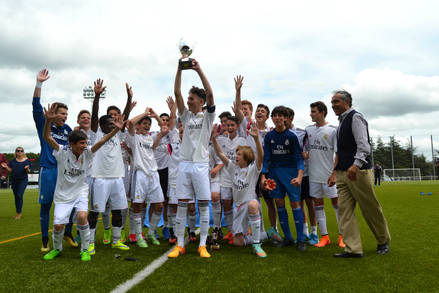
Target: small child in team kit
<point x="71" y="191"/>
<point x="245" y="173"/>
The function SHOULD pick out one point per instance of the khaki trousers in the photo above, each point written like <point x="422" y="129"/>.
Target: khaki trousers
<point x="361" y="191"/>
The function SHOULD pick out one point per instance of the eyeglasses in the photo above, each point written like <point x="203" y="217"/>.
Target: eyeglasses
<point x="19" y="151"/>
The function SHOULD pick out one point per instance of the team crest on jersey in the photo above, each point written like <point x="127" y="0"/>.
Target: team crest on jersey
<point x="325" y="137"/>
<point x="200" y="115"/>
<point x="287" y="142"/>
<point x="272" y="141"/>
<point x="96" y="206"/>
<point x="137" y="196"/>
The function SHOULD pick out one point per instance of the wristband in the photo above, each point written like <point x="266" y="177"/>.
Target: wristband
<point x="39" y="84"/>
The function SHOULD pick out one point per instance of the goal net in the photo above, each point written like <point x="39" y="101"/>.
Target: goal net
<point x="407" y="174"/>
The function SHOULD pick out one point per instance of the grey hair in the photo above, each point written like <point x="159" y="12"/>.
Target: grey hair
<point x="346" y="96"/>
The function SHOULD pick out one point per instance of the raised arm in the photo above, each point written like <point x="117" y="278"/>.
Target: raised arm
<point x="177" y="91"/>
<point x="119" y="123"/>
<point x="254" y="132"/>
<point x="50" y="115"/>
<point x="173" y="108"/>
<point x="216" y="146"/>
<point x="237" y="104"/>
<point x="164" y="130"/>
<point x="131" y="123"/>
<point x="129" y="105"/>
<point x="206" y="85"/>
<point x="156" y="116"/>
<point x="99" y="89"/>
<point x="37" y="110"/>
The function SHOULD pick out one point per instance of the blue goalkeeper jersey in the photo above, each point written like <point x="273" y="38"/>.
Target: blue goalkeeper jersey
<point x="60" y="134"/>
<point x="282" y="150"/>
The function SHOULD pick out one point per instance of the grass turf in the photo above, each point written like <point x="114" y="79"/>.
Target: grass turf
<point x="410" y="266"/>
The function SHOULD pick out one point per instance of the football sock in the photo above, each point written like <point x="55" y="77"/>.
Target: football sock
<point x="137" y="221"/>
<point x="116" y="233"/>
<point x="216" y="211"/>
<point x="124" y="217"/>
<point x="321" y="220"/>
<point x="92" y="222"/>
<point x="143" y="214"/>
<point x="336" y="216"/>
<point x="132" y="221"/>
<point x="57" y="237"/>
<point x="192" y="219"/>
<point x="180" y="222"/>
<point x="305" y="229"/>
<point x="255" y="224"/>
<point x="298" y="221"/>
<point x="313" y="229"/>
<point x="44" y="219"/>
<point x="171" y="217"/>
<point x="106" y="218"/>
<point x="204" y="221"/>
<point x="283" y="219"/>
<point x="84" y="232"/>
<point x="155" y="218"/>
<point x="228" y="216"/>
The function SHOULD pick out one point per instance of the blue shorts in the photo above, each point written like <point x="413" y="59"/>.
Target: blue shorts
<point x="283" y="177"/>
<point x="47" y="183"/>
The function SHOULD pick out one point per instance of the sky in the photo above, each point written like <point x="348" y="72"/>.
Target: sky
<point x="290" y="53"/>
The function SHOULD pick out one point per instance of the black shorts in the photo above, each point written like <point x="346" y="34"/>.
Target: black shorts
<point x="261" y="192"/>
<point x="304" y="192"/>
<point x="163" y="174"/>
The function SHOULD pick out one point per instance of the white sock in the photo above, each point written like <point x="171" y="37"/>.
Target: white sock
<point x="321" y="220"/>
<point x="336" y="216"/>
<point x="137" y="219"/>
<point x="204" y="221"/>
<point x="143" y="215"/>
<point x="171" y="217"/>
<point x="180" y="222"/>
<point x="216" y="211"/>
<point x="106" y="218"/>
<point x="57" y="237"/>
<point x="92" y="235"/>
<point x="192" y="219"/>
<point x="255" y="223"/>
<point x="124" y="217"/>
<point x="305" y="229"/>
<point x="155" y="218"/>
<point x="314" y="230"/>
<point x="84" y="232"/>
<point x="116" y="234"/>
<point x="132" y="221"/>
<point x="228" y="216"/>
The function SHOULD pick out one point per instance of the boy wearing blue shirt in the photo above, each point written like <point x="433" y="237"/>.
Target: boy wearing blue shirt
<point x="60" y="131"/>
<point x="283" y="162"/>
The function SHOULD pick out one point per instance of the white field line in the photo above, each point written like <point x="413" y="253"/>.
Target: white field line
<point x="148" y="270"/>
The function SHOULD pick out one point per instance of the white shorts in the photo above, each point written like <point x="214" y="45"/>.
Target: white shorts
<point x="317" y="190"/>
<point x="62" y="211"/>
<point x="193" y="181"/>
<point x="172" y="196"/>
<point x="215" y="186"/>
<point x="226" y="193"/>
<point x="240" y="219"/>
<point x="108" y="189"/>
<point x="127" y="179"/>
<point x="147" y="188"/>
<point x="90" y="181"/>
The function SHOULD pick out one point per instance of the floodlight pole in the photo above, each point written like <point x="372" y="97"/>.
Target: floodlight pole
<point x="432" y="157"/>
<point x="391" y="154"/>
<point x="413" y="156"/>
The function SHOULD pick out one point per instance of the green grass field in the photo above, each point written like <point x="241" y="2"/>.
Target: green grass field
<point x="411" y="266"/>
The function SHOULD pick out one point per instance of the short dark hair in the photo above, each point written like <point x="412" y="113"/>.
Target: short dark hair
<point x="201" y="93"/>
<point x="280" y="110"/>
<point x="82" y="112"/>
<point x="290" y="112"/>
<point x="145" y="118"/>
<point x="234" y="119"/>
<point x="164" y="114"/>
<point x="345" y="96"/>
<point x="265" y="107"/>
<point x="77" y="135"/>
<point x="104" y="120"/>
<point x="113" y="108"/>
<point x="225" y="114"/>
<point x="61" y="105"/>
<point x="320" y="106"/>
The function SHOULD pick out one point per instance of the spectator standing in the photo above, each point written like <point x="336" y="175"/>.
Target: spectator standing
<point x="377" y="170"/>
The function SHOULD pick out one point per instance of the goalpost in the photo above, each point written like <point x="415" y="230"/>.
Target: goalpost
<point x="403" y="174"/>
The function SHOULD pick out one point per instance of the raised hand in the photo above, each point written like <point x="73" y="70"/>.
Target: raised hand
<point x="129" y="90"/>
<point x="98" y="87"/>
<point x="238" y="82"/>
<point x="50" y="112"/>
<point x="254" y="131"/>
<point x="195" y="65"/>
<point x="118" y="121"/>
<point x="132" y="105"/>
<point x="43" y="75"/>
<point x="171" y="103"/>
<point x="214" y="133"/>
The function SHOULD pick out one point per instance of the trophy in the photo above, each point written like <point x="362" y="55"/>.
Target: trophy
<point x="186" y="51"/>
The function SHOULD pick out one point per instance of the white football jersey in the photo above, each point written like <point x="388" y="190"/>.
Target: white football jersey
<point x="107" y="162"/>
<point x="72" y="173"/>
<point x="244" y="182"/>
<point x="214" y="160"/>
<point x="228" y="146"/>
<point x="162" y="158"/>
<point x="301" y="136"/>
<point x="321" y="146"/>
<point x="143" y="154"/>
